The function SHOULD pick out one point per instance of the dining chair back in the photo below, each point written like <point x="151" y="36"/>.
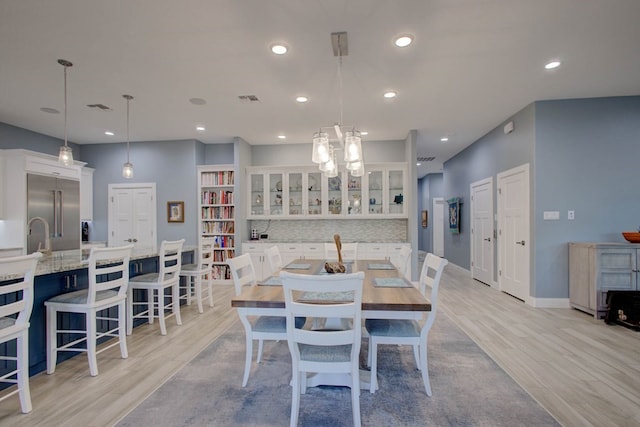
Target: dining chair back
<point x="259" y="328"/>
<point x="16" y="303"/>
<point x="158" y="301"/>
<point x="199" y="274"/>
<point x="274" y="259"/>
<point x="324" y="351"/>
<point x="108" y="273"/>
<point x="410" y="332"/>
<point x="349" y="251"/>
<point x="401" y="260"/>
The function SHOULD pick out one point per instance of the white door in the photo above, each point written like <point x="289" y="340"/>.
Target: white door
<point x="438" y="226"/>
<point x="132" y="215"/>
<point x="514" y="239"/>
<point x="482" y="231"/>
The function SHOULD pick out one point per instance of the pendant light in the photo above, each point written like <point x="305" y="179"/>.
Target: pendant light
<point x="66" y="153"/>
<point x="348" y="138"/>
<point x="127" y="168"/>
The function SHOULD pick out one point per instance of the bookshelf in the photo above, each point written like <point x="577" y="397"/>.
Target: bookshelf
<point x="217" y="216"/>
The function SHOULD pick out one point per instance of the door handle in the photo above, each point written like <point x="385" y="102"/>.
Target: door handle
<point x="488" y="239"/>
<point x="520" y="243"/>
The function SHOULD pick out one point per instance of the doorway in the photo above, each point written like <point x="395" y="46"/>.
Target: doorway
<point x="438" y="226"/>
<point x="132" y="215"/>
<point x="514" y="238"/>
<point x="482" y="239"/>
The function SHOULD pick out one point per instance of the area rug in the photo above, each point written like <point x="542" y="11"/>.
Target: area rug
<point x="469" y="389"/>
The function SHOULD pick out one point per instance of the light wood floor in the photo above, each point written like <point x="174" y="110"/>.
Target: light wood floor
<point x="585" y="373"/>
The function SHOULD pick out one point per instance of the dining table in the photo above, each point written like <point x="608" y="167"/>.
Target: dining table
<point x="386" y="294"/>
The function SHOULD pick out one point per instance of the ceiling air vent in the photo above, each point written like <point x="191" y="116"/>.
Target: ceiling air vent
<point x="248" y="99"/>
<point x="100" y="107"/>
<point x="426" y="159"/>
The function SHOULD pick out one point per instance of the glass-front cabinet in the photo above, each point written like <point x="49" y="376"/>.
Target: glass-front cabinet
<point x="313" y="185"/>
<point x="375" y="199"/>
<point x="306" y="192"/>
<point x="354" y="195"/>
<point x="396" y="192"/>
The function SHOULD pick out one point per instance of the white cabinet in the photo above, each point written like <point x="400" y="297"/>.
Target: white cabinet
<point x="216" y="187"/>
<point x="86" y="194"/>
<point x="258" y="258"/>
<point x="305" y="192"/>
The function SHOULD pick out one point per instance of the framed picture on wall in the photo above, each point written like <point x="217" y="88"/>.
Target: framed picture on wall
<point x="454" y="215"/>
<point x="425" y="219"/>
<point x="175" y="211"/>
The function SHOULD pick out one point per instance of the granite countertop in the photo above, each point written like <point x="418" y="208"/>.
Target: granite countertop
<point x="76" y="259"/>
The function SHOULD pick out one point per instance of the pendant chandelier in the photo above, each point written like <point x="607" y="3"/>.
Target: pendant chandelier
<point x="127" y="168"/>
<point x="348" y="139"/>
<point x="66" y="153"/>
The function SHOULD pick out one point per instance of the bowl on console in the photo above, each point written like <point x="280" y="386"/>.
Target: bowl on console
<point x="631" y="236"/>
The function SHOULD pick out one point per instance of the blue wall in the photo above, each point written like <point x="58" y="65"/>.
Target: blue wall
<point x="586" y="159"/>
<point x="583" y="155"/>
<point x="12" y="137"/>
<point x="429" y="187"/>
<point x="493" y="153"/>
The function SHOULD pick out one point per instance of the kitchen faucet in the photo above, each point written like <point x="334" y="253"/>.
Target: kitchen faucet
<point x="47" y="238"/>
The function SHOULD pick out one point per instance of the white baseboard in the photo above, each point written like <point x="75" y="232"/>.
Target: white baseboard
<point x="549" y="302"/>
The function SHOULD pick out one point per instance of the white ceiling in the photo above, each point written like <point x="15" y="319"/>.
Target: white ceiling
<point x="473" y="63"/>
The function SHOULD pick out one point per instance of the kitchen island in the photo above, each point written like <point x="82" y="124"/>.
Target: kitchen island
<point x="67" y="271"/>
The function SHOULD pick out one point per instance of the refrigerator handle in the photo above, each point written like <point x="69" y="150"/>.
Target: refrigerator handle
<point x="55" y="213"/>
<point x="61" y="207"/>
<point x="58" y="218"/>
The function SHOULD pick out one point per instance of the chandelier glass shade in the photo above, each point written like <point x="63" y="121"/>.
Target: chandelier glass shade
<point x="65" y="156"/>
<point x="320" y="147"/>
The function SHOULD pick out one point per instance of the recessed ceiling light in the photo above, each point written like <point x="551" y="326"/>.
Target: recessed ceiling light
<point x="282" y="137"/>
<point x="49" y="110"/>
<point x="200" y="128"/>
<point x="279" y="49"/>
<point x="301" y="99"/>
<point x="364" y="133"/>
<point x="444" y="139"/>
<point x="390" y="94"/>
<point x="418" y="164"/>
<point x="403" y="40"/>
<point x="109" y="133"/>
<point x="197" y="101"/>
<point x="551" y="65"/>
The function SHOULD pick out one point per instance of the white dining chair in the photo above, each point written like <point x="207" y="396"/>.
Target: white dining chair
<point x="156" y="284"/>
<point x="261" y="328"/>
<point x="108" y="271"/>
<point x="401" y="261"/>
<point x="274" y="259"/>
<point x="16" y="303"/>
<point x="349" y="251"/>
<point x="323" y="351"/>
<point x="409" y="332"/>
<point x="199" y="274"/>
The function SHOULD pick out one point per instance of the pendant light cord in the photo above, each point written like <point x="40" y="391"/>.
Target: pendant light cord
<point x="65" y="104"/>
<point x="128" y="99"/>
<point x="340" y="86"/>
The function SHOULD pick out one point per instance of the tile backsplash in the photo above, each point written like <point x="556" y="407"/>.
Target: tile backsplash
<point x="319" y="230"/>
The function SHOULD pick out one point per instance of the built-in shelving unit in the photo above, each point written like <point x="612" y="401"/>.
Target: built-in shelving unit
<point x="217" y="216"/>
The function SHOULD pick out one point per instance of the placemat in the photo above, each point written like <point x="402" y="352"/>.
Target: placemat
<point x="272" y="281"/>
<point x="390" y="282"/>
<point x="373" y="266"/>
<point x="298" y="267"/>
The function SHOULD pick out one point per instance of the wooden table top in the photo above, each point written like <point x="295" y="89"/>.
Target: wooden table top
<point x="373" y="297"/>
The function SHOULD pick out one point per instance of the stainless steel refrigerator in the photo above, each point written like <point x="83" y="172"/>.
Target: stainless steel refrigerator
<point x="56" y="203"/>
